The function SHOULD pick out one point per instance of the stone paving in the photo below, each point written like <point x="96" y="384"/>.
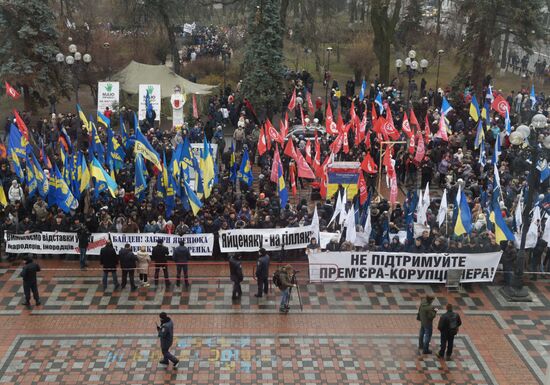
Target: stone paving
<point x="345" y="334"/>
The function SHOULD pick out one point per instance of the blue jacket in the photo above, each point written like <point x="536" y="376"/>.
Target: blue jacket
<point x="166" y="334"/>
<point x="262" y="267"/>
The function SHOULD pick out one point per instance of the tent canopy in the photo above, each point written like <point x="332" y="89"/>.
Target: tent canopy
<point x="138" y="73"/>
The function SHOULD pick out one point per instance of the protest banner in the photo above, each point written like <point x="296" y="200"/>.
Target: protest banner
<point x="155" y="98"/>
<point x="401" y="267"/>
<point x="108" y="94"/>
<point x="244" y="240"/>
<point x="67" y="243"/>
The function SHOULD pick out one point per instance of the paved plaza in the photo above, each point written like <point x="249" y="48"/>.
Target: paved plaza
<point x="345" y="334"/>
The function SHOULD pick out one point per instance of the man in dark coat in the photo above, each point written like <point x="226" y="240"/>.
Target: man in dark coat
<point x="83" y="241"/>
<point x="262" y="273"/>
<point x="426" y="315"/>
<point x="236" y="275"/>
<point x="159" y="256"/>
<point x="181" y="257"/>
<point x="166" y="335"/>
<point x="28" y="273"/>
<point x="108" y="258"/>
<point x="448" y="326"/>
<point x="128" y="263"/>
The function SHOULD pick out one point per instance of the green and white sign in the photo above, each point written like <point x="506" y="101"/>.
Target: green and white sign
<point x="155" y="96"/>
<point x="108" y="94"/>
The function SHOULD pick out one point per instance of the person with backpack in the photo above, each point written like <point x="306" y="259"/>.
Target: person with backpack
<point x="448" y="326"/>
<point x="284" y="280"/>
<point x="262" y="273"/>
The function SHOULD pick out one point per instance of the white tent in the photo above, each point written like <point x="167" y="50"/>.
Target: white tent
<point x="138" y="73"/>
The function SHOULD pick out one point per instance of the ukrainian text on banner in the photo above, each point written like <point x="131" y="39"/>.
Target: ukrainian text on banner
<point x="243" y="240"/>
<point x="67" y="243"/>
<point x="198" y="244"/>
<point x="401" y="267"/>
<point x="42" y="243"/>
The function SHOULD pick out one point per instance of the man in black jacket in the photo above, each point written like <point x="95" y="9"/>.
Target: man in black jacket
<point x="159" y="256"/>
<point x="166" y="335"/>
<point x="109" y="260"/>
<point x="236" y="275"/>
<point x="83" y="241"/>
<point x="181" y="257"/>
<point x="448" y="326"/>
<point x="128" y="263"/>
<point x="28" y="273"/>
<point x="262" y="273"/>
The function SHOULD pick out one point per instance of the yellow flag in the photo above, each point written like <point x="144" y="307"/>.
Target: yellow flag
<point x="3" y="200"/>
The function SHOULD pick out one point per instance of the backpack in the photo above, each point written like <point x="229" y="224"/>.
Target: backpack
<point x="277" y="278"/>
<point x="453" y="324"/>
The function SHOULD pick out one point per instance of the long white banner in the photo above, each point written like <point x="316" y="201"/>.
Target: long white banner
<point x="67" y="243"/>
<point x="400" y="267"/>
<point x="270" y="239"/>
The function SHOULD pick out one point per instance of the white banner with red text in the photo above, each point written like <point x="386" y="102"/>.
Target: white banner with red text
<point x="401" y="267"/>
<point x="67" y="243"/>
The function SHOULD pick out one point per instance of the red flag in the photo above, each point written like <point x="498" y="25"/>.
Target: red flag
<point x="302" y="116"/>
<point x="283" y="126"/>
<point x="272" y="132"/>
<point x="500" y="105"/>
<point x="10" y="91"/>
<point x="195" y="109"/>
<point x="419" y="149"/>
<point x="362" y="187"/>
<point x="290" y="151"/>
<point x="21" y="125"/>
<point x="406" y="127"/>
<point x="3" y="151"/>
<point x="427" y="130"/>
<point x="414" y="122"/>
<point x="353" y="116"/>
<point x="275" y="166"/>
<point x="393" y="190"/>
<point x="310" y="104"/>
<point x="340" y="123"/>
<point x="412" y="143"/>
<point x="303" y="169"/>
<point x="361" y="130"/>
<point x="324" y="178"/>
<point x="389" y="127"/>
<point x="292" y="103"/>
<point x="292" y="171"/>
<point x="367" y="139"/>
<point x="317" y="158"/>
<point x="373" y="114"/>
<point x="308" y="152"/>
<point x="329" y="121"/>
<point x="262" y="143"/>
<point x="345" y="138"/>
<point x="442" y="132"/>
<point x="387" y="161"/>
<point x="337" y="144"/>
<point x="368" y="165"/>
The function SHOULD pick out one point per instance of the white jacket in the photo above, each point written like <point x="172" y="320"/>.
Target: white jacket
<point x="15" y="193"/>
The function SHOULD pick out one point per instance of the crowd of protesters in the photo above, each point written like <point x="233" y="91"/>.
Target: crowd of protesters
<point x="236" y="205"/>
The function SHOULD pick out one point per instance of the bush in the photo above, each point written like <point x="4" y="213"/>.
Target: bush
<point x="360" y="57"/>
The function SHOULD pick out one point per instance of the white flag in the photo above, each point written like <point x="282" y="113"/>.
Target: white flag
<point x="315" y="224"/>
<point x="546" y="234"/>
<point x="442" y="213"/>
<point x="350" y="226"/>
<point x="518" y="214"/>
<point x="533" y="232"/>
<point x="336" y="209"/>
<point x="343" y="206"/>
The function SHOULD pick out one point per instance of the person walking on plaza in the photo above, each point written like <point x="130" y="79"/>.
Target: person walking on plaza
<point x="166" y="335"/>
<point x="448" y="326"/>
<point x="143" y="265"/>
<point x="108" y="258"/>
<point x="181" y="257"/>
<point x="128" y="264"/>
<point x="426" y="315"/>
<point x="28" y="273"/>
<point x="160" y="258"/>
<point x="262" y="273"/>
<point x="286" y="283"/>
<point x="236" y="275"/>
<point x="83" y="241"/>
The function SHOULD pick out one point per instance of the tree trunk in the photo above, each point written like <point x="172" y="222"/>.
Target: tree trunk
<point x="504" y="54"/>
<point x="171" y="40"/>
<point x="438" y="26"/>
<point x="27" y="97"/>
<point x="284" y="10"/>
<point x="383" y="27"/>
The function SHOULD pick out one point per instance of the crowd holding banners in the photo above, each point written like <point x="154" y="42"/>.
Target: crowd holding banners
<point x="458" y="148"/>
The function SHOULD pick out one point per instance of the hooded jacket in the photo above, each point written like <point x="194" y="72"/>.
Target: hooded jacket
<point x="426" y="313"/>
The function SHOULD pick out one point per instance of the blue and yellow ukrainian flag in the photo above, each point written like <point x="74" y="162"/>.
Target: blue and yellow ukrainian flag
<point x="82" y="117"/>
<point x="115" y="152"/>
<point x="143" y="147"/>
<point x="207" y="169"/>
<point x="463" y="224"/>
<point x="96" y="145"/>
<point x="103" y="119"/>
<point x="194" y="201"/>
<point x="233" y="165"/>
<point x="474" y="109"/>
<point x="480" y="135"/>
<point x="140" y="184"/>
<point x="30" y="179"/>
<point x="40" y="177"/>
<point x="17" y="142"/>
<point x="281" y="187"/>
<point x="245" y="172"/>
<point x="501" y="230"/>
<point x="83" y="175"/>
<point x="102" y="177"/>
<point x="62" y="196"/>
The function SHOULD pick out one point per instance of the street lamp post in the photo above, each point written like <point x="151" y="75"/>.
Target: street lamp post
<point x="439" y="53"/>
<point x="527" y="136"/>
<point x="327" y="75"/>
<point x="106" y="45"/>
<point x="224" y="55"/>
<point x="73" y="61"/>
